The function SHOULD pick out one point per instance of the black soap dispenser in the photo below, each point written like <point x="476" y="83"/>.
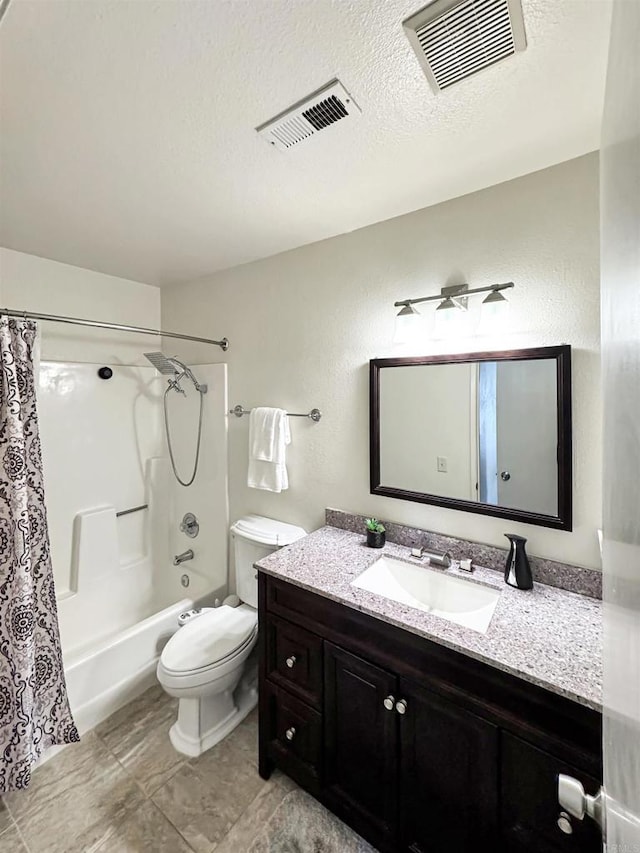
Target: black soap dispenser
<point x="517" y="572"/>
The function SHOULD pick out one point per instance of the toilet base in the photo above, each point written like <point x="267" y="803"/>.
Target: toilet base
<point x="203" y="722"/>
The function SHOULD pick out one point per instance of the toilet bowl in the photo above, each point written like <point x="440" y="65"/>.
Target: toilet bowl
<point x="202" y="666"/>
<point x="207" y="664"/>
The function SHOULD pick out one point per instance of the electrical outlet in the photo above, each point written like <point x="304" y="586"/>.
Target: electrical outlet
<point x="442" y="464"/>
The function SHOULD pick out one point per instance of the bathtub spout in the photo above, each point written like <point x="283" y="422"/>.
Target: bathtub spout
<point x="182" y="558"/>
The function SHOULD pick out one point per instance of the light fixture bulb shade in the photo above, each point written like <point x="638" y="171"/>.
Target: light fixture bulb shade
<point x="409" y="325"/>
<point x="494" y="313"/>
<point x="451" y="319"/>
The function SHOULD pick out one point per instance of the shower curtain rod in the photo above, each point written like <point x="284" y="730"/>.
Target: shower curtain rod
<point x="76" y="321"/>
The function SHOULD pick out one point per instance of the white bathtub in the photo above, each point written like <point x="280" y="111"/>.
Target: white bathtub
<point x="104" y="677"/>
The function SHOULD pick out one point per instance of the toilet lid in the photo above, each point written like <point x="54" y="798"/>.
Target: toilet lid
<point x="209" y="638"/>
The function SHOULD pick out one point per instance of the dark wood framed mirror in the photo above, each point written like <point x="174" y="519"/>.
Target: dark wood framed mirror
<point x="482" y="432"/>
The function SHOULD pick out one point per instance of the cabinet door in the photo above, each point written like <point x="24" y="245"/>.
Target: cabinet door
<point x="530" y="809"/>
<point x="449" y="775"/>
<point x="360" y="743"/>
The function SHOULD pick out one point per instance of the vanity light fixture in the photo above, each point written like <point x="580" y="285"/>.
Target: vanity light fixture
<point x="452" y="304"/>
<point x="493" y="312"/>
<point x="409" y="325"/>
<point x="451" y="311"/>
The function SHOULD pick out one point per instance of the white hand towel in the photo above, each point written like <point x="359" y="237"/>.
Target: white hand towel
<point x="264" y="422"/>
<point x="269" y="436"/>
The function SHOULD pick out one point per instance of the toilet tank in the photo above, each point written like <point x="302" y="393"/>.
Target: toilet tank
<point x="255" y="537"/>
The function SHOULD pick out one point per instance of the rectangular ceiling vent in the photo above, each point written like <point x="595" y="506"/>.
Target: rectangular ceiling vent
<point x="454" y="39"/>
<point x="307" y="118"/>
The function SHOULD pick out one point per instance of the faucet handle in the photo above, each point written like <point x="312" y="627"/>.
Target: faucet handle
<point x="417" y="552"/>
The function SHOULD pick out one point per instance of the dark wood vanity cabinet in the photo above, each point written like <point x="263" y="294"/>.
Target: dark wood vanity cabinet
<point x="449" y="769"/>
<point x="417" y="747"/>
<point x="361" y="754"/>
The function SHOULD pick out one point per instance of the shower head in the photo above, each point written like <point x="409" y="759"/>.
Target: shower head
<point x="173" y="366"/>
<point x="164" y="365"/>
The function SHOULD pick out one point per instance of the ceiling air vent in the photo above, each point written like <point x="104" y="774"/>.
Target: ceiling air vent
<point x="307" y="118"/>
<point x="454" y="39"/>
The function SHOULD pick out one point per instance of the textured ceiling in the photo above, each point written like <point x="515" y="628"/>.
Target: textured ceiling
<point x="128" y="142"/>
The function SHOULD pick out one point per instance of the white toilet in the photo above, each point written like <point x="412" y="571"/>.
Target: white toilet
<point x="203" y="664"/>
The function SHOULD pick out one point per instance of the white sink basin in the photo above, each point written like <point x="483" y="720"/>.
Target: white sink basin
<point x="452" y="598"/>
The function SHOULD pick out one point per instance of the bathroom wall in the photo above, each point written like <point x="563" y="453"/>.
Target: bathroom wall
<point x="104" y="446"/>
<point x="413" y="434"/>
<point x="207" y="496"/>
<point x="620" y="161"/>
<point x="97" y="436"/>
<point x="304" y="324"/>
<point x="30" y="283"/>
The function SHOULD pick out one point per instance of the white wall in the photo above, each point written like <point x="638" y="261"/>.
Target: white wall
<point x="30" y="283"/>
<point x="304" y="324"/>
<point x="98" y="438"/>
<point x="426" y="413"/>
<point x="207" y="496"/>
<point x="620" y="161"/>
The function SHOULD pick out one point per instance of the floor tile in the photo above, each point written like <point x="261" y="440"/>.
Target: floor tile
<point x="203" y="801"/>
<point x="242" y="741"/>
<point x="301" y="823"/>
<point x="5" y="817"/>
<point x="138" y="735"/>
<point x="254" y="818"/>
<point x="75" y="801"/>
<point x="146" y="710"/>
<point x="147" y="831"/>
<point x="10" y="842"/>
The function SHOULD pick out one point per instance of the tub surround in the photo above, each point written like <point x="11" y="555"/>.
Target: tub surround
<point x="549" y="572"/>
<point x="547" y="636"/>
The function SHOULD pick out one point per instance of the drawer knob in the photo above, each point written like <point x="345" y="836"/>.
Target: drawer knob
<point x="291" y="661"/>
<point x="401" y="706"/>
<point x="290" y="733"/>
<point x="564" y="823"/>
<point x="389" y="703"/>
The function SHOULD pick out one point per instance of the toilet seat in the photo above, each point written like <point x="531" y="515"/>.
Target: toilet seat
<point x="211" y="642"/>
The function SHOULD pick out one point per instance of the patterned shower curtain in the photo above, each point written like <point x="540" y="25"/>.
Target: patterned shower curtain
<point x="34" y="709"/>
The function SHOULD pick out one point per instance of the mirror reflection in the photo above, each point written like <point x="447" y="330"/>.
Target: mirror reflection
<point x="483" y="431"/>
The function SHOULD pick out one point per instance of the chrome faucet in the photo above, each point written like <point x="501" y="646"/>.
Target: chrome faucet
<point x="182" y="558"/>
<point x="435" y="558"/>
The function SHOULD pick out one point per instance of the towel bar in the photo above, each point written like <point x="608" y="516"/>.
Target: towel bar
<point x="314" y="414"/>
<point x="133" y="509"/>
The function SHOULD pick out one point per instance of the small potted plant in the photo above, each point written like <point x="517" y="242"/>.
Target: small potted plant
<point x="375" y="533"/>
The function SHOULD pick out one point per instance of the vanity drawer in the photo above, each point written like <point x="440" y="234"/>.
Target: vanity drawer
<point x="294" y="660"/>
<point x="294" y="736"/>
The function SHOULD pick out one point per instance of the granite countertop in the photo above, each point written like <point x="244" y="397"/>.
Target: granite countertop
<point x="546" y="635"/>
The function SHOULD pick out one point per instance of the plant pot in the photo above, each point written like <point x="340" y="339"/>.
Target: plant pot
<point x="375" y="540"/>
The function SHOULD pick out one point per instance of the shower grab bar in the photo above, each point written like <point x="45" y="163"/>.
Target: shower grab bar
<point x="314" y="414"/>
<point x="133" y="509"/>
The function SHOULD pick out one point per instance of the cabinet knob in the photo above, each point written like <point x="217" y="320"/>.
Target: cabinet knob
<point x="291" y="661"/>
<point x="389" y="703"/>
<point x="401" y="706"/>
<point x="564" y="823"/>
<point x="290" y="733"/>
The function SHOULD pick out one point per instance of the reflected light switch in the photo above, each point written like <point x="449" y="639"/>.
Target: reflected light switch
<point x="442" y="464"/>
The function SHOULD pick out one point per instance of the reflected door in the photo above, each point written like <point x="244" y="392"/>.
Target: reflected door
<point x="518" y="435"/>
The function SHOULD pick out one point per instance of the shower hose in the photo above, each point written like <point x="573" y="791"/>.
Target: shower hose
<point x="168" y="434"/>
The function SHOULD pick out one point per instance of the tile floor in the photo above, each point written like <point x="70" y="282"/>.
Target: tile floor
<point x="124" y="789"/>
